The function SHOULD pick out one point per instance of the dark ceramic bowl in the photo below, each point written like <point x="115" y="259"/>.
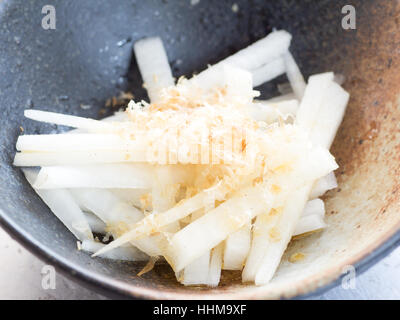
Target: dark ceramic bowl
<point x="88" y="59"/>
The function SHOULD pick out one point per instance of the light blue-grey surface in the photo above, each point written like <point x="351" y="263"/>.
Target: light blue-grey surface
<point x="382" y="281"/>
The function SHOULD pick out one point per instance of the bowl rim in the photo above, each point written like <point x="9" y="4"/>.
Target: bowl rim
<point x="114" y="289"/>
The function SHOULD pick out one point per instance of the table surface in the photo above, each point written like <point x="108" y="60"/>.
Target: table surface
<point x="21" y="278"/>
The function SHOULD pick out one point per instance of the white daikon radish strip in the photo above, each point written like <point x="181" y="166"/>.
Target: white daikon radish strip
<point x="263" y="230"/>
<point x="103" y="176"/>
<point x="323" y="185"/>
<point x="330" y="115"/>
<point x="268" y="72"/>
<point x="261" y="52"/>
<point x="313" y="98"/>
<point x="128" y="253"/>
<point x="156" y="222"/>
<point x="107" y="206"/>
<point x="235" y="81"/>
<point x="236" y="249"/>
<point x="67" y="120"/>
<point x="295" y="76"/>
<point x="81" y="205"/>
<point x="77" y="158"/>
<point x="153" y="65"/>
<point x="96" y="224"/>
<point x="272" y="111"/>
<point x="197" y="272"/>
<point x="78" y="142"/>
<point x="119" y="116"/>
<point x="282" y="234"/>
<point x="312" y="218"/>
<point x="214" y="274"/>
<point x="309" y="223"/>
<point x="164" y="196"/>
<point x="117" y="215"/>
<point x="239" y="83"/>
<point x="314" y="207"/>
<point x="164" y="190"/>
<point x="135" y="197"/>
<point x="62" y="204"/>
<point x="251" y="58"/>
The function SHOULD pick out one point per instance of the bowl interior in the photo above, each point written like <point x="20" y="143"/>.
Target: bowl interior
<point x="88" y="59"/>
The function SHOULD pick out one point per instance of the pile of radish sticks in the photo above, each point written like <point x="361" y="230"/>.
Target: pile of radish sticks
<point x="203" y="176"/>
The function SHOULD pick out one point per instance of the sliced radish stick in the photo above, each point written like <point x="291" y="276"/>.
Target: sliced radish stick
<point x="309" y="223"/>
<point x="323" y="185"/>
<point x="67" y="120"/>
<point x="314" y="207"/>
<point x="77" y="158"/>
<point x="197" y="272"/>
<point x="237" y="247"/>
<point x="312" y="218"/>
<point x="214" y="274"/>
<point x="138" y="176"/>
<point x="236" y="82"/>
<point x="153" y="65"/>
<point x="294" y="75"/>
<point x="254" y="56"/>
<point x="322" y="110"/>
<point x="64" y="207"/>
<point x="127" y="253"/>
<point x="268" y="72"/>
<point x="330" y="116"/>
<point x="280" y="235"/>
<point x="78" y="142"/>
<point x="263" y="231"/>
<point x="313" y="98"/>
